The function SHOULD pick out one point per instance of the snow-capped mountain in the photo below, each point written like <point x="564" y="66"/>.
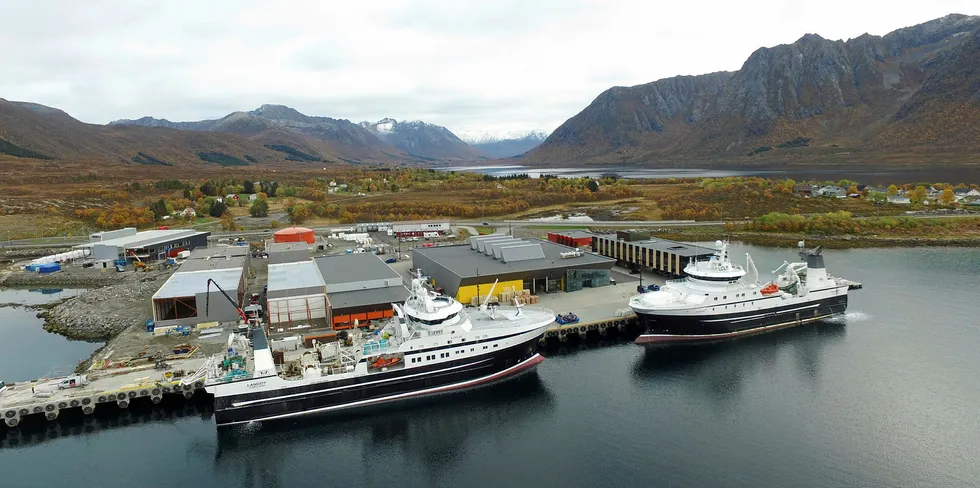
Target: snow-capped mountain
<point x="422" y="140"/>
<point x="506" y="145"/>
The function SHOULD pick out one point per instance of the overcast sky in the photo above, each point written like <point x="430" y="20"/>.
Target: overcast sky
<point x="472" y="66"/>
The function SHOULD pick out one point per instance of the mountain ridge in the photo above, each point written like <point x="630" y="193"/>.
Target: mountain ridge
<point x="507" y="146"/>
<point x="852" y="96"/>
<point x="422" y="139"/>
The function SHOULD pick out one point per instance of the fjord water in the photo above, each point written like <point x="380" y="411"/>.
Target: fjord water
<point x="878" y="174"/>
<point x="886" y="396"/>
<point x="27" y="351"/>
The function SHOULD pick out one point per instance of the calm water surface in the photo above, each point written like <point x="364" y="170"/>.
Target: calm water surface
<point x="886" y="396"/>
<point x="873" y="174"/>
<point x="26" y="350"/>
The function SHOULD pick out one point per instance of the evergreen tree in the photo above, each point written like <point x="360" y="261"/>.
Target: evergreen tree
<point x="249" y="187"/>
<point x="217" y="209"/>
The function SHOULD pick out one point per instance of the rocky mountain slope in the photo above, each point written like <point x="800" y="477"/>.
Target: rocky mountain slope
<point x="327" y="138"/>
<point x="913" y="93"/>
<point x="508" y="146"/>
<point x="417" y="138"/>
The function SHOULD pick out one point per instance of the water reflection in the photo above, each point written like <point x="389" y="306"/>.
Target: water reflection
<point x="721" y="369"/>
<point x="433" y="434"/>
<point x="107" y="417"/>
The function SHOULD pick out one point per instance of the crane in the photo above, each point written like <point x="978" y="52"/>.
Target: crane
<point x="207" y="300"/>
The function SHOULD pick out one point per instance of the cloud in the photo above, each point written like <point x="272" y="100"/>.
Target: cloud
<point x="473" y="66"/>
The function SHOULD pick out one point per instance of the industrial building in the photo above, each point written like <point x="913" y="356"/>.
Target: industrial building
<point x="296" y="292"/>
<point x="359" y="287"/>
<point x="419" y="229"/>
<point x="294" y="234"/>
<point x="288" y="252"/>
<point x="186" y="298"/>
<point x="637" y="249"/>
<point x="572" y="238"/>
<point x="150" y="245"/>
<point x="469" y="270"/>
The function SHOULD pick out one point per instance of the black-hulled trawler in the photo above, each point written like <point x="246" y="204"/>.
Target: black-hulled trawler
<point x="431" y="346"/>
<point x="719" y="299"/>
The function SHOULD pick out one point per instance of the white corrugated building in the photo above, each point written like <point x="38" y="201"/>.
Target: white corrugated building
<point x="296" y="292"/>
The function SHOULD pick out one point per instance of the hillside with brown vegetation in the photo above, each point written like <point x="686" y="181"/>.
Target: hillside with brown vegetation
<point x="55" y="135"/>
<point x="912" y="95"/>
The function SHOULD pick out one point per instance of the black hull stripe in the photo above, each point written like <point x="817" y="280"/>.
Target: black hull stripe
<point x="508" y="373"/>
<point x="733" y="323"/>
<point x="322" y="396"/>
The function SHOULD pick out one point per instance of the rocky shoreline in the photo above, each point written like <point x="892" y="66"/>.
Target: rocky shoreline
<point x="72" y="280"/>
<point x="101" y="314"/>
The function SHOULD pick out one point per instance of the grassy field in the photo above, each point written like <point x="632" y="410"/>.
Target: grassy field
<point x="75" y="199"/>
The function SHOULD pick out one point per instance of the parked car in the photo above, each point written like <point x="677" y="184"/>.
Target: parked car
<point x="391" y="260"/>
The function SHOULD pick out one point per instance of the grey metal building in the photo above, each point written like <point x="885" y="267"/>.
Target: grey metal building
<point x="184" y="299"/>
<point x="466" y="271"/>
<point x="288" y="252"/>
<point x="360" y="287"/>
<point x="660" y="255"/>
<point x="150" y="245"/>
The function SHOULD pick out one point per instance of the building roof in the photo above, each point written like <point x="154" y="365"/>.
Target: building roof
<point x="233" y="262"/>
<point x="190" y="283"/>
<point x="350" y="268"/>
<point x="372" y="296"/>
<point x="291" y="276"/>
<point x="219" y="252"/>
<point x="287" y="246"/>
<point x="146" y="238"/>
<point x="465" y="262"/>
<point x="666" y="245"/>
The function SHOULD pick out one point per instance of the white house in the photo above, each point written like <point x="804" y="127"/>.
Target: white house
<point x="899" y="200"/>
<point x="831" y="191"/>
<point x="188" y="212"/>
<point x="333" y="184"/>
<point x="253" y="197"/>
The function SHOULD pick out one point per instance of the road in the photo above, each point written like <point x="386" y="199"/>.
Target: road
<point x="467" y="224"/>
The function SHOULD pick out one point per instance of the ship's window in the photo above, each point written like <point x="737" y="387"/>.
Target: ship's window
<point x="495" y="345"/>
<point x="452" y="332"/>
<point x="484" y="347"/>
<point x="471" y="349"/>
<point x="716" y="299"/>
<point x="725" y="297"/>
<point x="755" y="293"/>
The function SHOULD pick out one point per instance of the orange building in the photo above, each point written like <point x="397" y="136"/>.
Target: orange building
<point x="294" y="234"/>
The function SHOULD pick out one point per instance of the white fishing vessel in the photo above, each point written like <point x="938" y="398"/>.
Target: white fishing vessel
<point x="720" y="299"/>
<point x="431" y="346"/>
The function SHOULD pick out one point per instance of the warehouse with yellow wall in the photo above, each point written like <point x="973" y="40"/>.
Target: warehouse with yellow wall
<point x="470" y="270"/>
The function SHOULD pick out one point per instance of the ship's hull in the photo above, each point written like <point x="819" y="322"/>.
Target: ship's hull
<point x="667" y="327"/>
<point x="377" y="388"/>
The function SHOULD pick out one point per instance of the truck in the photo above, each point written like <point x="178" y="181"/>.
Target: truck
<point x="73" y="381"/>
